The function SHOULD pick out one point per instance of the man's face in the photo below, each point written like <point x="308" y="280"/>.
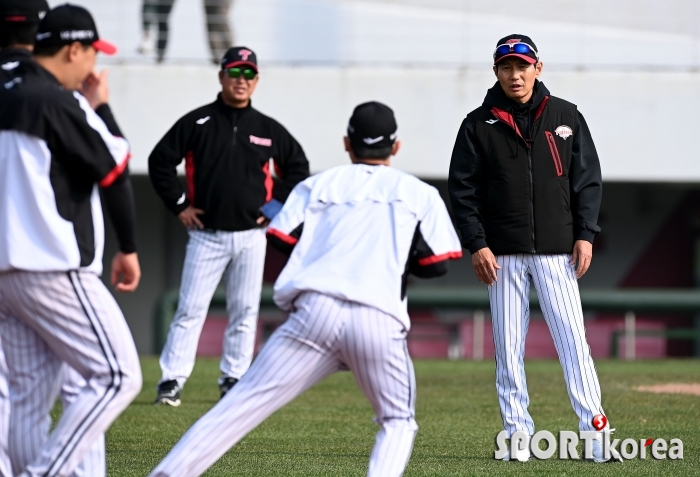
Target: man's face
<point x="83" y="60"/>
<point x="236" y="90"/>
<point x="517" y="78"/>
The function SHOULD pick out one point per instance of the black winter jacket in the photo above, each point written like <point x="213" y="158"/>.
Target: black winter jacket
<point x="227" y="154"/>
<point x="525" y="180"/>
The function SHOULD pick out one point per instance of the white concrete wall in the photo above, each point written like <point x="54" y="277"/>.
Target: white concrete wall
<point x="644" y="124"/>
<point x="631" y="66"/>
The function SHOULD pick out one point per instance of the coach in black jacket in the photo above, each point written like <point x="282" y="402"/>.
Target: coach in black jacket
<point x="227" y="147"/>
<point x="525" y="187"/>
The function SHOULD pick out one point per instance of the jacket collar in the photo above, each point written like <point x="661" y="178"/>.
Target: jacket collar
<point x="220" y="103"/>
<point x="15" y="54"/>
<point x="496" y="97"/>
<point x="502" y="107"/>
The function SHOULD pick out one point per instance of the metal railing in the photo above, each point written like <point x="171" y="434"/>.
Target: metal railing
<point x="630" y="302"/>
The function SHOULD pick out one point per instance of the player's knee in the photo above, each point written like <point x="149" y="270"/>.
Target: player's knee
<point x="132" y="381"/>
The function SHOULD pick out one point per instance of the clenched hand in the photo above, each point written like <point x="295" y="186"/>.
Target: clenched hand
<point x="126" y="272"/>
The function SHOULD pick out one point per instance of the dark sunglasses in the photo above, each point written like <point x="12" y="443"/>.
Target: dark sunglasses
<point x="520" y="48"/>
<point x="247" y="73"/>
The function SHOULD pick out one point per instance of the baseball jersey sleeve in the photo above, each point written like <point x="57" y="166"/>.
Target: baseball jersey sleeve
<point x="286" y="228"/>
<point x="87" y="143"/>
<point x="435" y="240"/>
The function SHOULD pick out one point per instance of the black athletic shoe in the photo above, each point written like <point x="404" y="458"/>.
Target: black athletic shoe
<point x="169" y="393"/>
<point x="225" y="384"/>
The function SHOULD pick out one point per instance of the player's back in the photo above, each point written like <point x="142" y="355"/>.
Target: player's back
<point x="360" y="224"/>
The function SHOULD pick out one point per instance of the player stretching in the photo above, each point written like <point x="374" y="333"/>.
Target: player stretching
<point x="354" y="233"/>
<point x="55" y="151"/>
<point x="227" y="146"/>
<point x="525" y="187"/>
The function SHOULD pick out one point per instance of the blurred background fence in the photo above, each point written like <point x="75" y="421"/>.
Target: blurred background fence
<point x="452" y="322"/>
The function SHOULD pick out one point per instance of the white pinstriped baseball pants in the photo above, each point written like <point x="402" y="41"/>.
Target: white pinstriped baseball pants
<point x="92" y="465"/>
<point x="322" y="335"/>
<point x="4" y="413"/>
<point x="240" y="258"/>
<point x="56" y="318"/>
<point x="557" y="288"/>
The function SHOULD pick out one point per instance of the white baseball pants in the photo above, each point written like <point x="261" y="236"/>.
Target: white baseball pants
<point x="93" y="465"/>
<point x="557" y="288"/>
<point x="52" y="319"/>
<point x="240" y="258"/>
<point x="4" y="412"/>
<point x="321" y="336"/>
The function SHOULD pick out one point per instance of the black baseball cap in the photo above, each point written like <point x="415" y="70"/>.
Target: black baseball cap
<point x="23" y="11"/>
<point x="372" y="130"/>
<point x="68" y="23"/>
<point x="531" y="55"/>
<point x="239" y="56"/>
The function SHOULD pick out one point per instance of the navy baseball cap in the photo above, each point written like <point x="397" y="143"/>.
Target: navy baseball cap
<point x="239" y="56"/>
<point x="68" y="23"/>
<point x="23" y="11"/>
<point x="519" y="46"/>
<point x="372" y="130"/>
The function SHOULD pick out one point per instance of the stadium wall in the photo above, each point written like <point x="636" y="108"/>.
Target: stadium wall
<point x="642" y="122"/>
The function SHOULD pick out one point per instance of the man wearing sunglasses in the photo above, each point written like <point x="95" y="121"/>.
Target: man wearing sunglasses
<point x="525" y="187"/>
<point x="231" y="194"/>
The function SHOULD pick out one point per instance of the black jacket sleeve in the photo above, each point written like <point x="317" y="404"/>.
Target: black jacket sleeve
<point x="585" y="182"/>
<point x="120" y="204"/>
<point x="466" y="186"/>
<point x="105" y="113"/>
<point x="162" y="164"/>
<point x="118" y="198"/>
<point x="291" y="164"/>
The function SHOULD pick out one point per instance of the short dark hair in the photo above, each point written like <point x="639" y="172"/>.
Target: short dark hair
<point x="367" y="153"/>
<point x="51" y="50"/>
<point x="12" y="33"/>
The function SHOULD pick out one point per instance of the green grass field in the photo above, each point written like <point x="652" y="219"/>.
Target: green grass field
<point x="329" y="430"/>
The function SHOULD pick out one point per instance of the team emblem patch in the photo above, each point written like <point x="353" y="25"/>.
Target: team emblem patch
<point x="261" y="141"/>
<point x="564" y="131"/>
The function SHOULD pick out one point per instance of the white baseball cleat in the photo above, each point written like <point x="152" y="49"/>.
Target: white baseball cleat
<point x="522" y="455"/>
<point x="598" y="454"/>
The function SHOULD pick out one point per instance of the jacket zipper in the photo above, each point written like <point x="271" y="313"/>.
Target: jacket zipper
<point x="235" y="126"/>
<point x="528" y="145"/>
<point x="555" y="153"/>
<point x="532" y="198"/>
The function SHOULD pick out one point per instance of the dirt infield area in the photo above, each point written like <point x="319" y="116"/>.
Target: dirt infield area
<point x="672" y="388"/>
